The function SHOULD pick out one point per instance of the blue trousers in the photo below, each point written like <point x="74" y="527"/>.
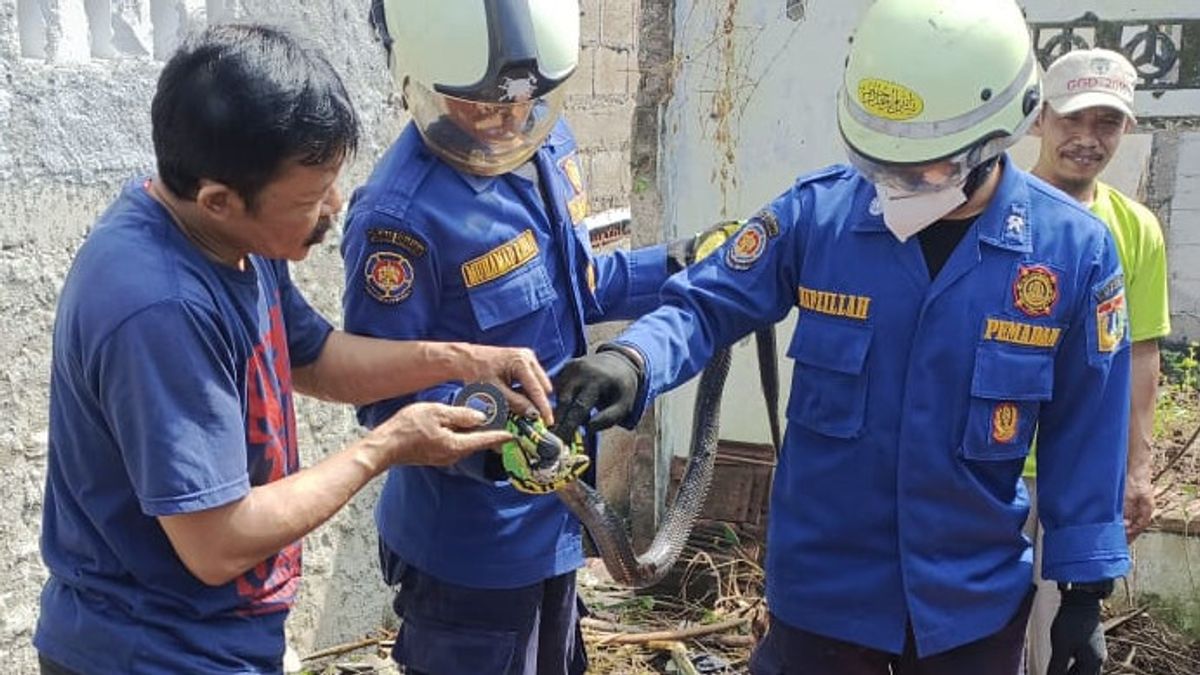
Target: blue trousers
<point x="448" y="629"/>
<point x="787" y="650"/>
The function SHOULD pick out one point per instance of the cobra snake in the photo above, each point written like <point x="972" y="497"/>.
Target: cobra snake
<point x="607" y="528"/>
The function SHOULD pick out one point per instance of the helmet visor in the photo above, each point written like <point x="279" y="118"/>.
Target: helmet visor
<point x="913" y="178"/>
<point x="483" y="138"/>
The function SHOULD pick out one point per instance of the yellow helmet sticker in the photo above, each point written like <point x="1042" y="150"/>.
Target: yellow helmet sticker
<point x="889" y="100"/>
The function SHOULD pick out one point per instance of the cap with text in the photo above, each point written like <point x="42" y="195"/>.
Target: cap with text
<point x="1087" y="78"/>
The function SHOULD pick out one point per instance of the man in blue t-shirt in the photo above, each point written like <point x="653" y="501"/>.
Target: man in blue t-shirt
<point x="175" y="503"/>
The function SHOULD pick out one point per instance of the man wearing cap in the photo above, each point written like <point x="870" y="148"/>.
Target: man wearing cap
<point x="1089" y="96"/>
<point x="948" y="303"/>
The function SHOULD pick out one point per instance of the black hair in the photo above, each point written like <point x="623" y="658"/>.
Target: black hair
<point x="238" y="101"/>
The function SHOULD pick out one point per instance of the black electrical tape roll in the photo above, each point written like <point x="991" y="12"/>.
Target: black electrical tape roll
<point x="487" y="399"/>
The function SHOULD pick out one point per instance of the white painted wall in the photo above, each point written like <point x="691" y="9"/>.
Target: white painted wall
<point x="754" y="107"/>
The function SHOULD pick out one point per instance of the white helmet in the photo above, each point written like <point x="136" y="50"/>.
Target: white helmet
<point x="951" y="83"/>
<point x="482" y="78"/>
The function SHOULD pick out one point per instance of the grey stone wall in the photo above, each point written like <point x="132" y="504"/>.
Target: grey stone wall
<point x="601" y="98"/>
<point x="76" y="79"/>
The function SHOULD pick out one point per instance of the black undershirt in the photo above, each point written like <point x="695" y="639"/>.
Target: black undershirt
<point x="938" y="242"/>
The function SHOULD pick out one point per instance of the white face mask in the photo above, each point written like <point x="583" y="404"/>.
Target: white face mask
<point x="907" y="213"/>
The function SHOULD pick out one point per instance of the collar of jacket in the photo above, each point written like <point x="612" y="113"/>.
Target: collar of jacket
<point x="1005" y="223"/>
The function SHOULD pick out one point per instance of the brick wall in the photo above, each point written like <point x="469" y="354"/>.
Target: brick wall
<point x="600" y="98"/>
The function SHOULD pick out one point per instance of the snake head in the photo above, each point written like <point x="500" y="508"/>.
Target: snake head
<point x="538" y="461"/>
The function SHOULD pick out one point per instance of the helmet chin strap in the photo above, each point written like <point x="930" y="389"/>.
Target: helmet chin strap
<point x="978" y="176"/>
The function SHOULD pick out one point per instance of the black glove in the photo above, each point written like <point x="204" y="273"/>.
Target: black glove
<point x="608" y="380"/>
<point x="1076" y="636"/>
<point x="687" y="250"/>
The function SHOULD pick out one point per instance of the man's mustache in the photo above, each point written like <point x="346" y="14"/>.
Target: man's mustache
<point x="324" y="225"/>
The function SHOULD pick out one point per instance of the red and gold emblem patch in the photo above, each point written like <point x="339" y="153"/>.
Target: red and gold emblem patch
<point x="1005" y="419"/>
<point x="748" y="246"/>
<point x="389" y="277"/>
<point x="1036" y="290"/>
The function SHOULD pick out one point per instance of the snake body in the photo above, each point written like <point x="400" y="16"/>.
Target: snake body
<point x="607" y="528"/>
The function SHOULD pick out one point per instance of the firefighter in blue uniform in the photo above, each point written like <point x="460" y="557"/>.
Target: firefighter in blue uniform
<point x="471" y="228"/>
<point x="948" y="302"/>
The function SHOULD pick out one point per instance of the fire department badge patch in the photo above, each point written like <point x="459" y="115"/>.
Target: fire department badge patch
<point x="389" y="277"/>
<point x="1005" y="420"/>
<point x="1035" y="290"/>
<point x="748" y="246"/>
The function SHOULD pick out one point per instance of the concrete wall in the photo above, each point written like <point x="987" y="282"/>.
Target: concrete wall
<point x="753" y="107"/>
<point x="76" y="79"/>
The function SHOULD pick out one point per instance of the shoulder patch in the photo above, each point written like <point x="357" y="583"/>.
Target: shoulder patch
<point x="388" y="277"/>
<point x="501" y="260"/>
<point x="1112" y="321"/>
<point x="1109" y="288"/>
<point x="769" y="222"/>
<point x="748" y="246"/>
<point x="398" y="238"/>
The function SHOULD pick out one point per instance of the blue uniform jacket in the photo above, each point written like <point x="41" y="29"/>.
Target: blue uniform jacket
<point x="898" y="494"/>
<point x="431" y="253"/>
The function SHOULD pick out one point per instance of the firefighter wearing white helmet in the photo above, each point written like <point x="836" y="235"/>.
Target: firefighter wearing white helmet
<point x="931" y="91"/>
<point x="482" y="78"/>
<point x="949" y="305"/>
<point x="472" y="229"/>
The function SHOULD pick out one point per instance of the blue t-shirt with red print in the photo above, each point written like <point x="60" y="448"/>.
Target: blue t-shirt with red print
<point x="170" y="393"/>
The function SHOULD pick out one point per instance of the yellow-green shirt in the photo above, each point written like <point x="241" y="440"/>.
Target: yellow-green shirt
<point x="1143" y="253"/>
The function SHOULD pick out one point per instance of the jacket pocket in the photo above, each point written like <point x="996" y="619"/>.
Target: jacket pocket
<point x="518" y="310"/>
<point x="829" y="385"/>
<point x="428" y="646"/>
<point x="512" y="296"/>
<point x="1007" y="389"/>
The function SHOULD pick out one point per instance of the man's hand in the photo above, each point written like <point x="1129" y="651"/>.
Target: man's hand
<point x="504" y="366"/>
<point x="1076" y="636"/>
<point x="431" y="434"/>
<point x="1139" y="502"/>
<point x="608" y="380"/>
